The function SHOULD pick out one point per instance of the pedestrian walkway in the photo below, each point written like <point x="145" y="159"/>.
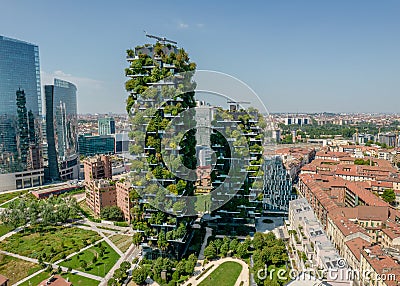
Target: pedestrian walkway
<point x="204" y="245"/>
<point x="127" y="256"/>
<point x="9" y="201"/>
<point x="243" y="276"/>
<point x="8" y="234"/>
<point x="55" y="264"/>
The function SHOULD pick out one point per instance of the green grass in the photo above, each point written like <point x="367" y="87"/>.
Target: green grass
<point x="100" y="267"/>
<point x="107" y="228"/>
<point x="28" y="196"/>
<point x="225" y="275"/>
<point x="8" y="196"/>
<point x="74" y="278"/>
<point x="54" y="242"/>
<point x="16" y="269"/>
<point x="123" y="242"/>
<point x="4" y="229"/>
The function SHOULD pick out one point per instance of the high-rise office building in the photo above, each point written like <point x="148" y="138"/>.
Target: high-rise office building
<point x="90" y="145"/>
<point x="61" y="130"/>
<point x="277" y="185"/>
<point x="121" y="143"/>
<point x="20" y="95"/>
<point x="203" y="116"/>
<point x="106" y="126"/>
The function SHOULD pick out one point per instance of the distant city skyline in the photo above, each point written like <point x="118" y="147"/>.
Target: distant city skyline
<point x="302" y="57"/>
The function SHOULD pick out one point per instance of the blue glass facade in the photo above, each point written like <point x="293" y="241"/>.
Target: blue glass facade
<point x="106" y="126"/>
<point x="94" y="145"/>
<point x="20" y="107"/>
<point x="61" y="128"/>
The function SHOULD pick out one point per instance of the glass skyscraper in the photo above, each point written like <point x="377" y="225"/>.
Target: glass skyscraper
<point x="61" y="130"/>
<point x="106" y="126"/>
<point x="20" y="111"/>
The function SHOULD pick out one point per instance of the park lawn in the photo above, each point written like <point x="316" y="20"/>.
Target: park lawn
<point x="17" y="200"/>
<point x="224" y="275"/>
<point x="8" y="196"/>
<point x="4" y="229"/>
<point x="123" y="242"/>
<point x="100" y="267"/>
<point x="16" y="269"/>
<point x="74" y="278"/>
<point x="55" y="242"/>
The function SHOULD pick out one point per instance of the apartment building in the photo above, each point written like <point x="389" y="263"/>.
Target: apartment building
<point x="97" y="167"/>
<point x="123" y="199"/>
<point x="379" y="268"/>
<point x="99" y="194"/>
<point x="308" y="237"/>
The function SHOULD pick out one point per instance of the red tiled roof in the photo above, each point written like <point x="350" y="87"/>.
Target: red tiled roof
<point x="392" y="230"/>
<point x="3" y="279"/>
<point x="56" y="280"/>
<point x="346" y="226"/>
<point x="356" y="246"/>
<point x="381" y="263"/>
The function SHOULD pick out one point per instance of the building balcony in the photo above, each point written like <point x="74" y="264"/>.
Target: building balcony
<point x="137" y="75"/>
<point x="131" y="59"/>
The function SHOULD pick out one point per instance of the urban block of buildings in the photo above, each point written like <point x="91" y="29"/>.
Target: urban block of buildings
<point x="345" y="197"/>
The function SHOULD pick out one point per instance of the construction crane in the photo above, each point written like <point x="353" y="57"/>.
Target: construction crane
<point x="160" y="39"/>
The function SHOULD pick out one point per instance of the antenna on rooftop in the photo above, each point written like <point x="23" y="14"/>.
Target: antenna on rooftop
<point x="160" y="39"/>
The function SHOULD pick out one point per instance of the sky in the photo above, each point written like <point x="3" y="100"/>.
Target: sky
<point x="298" y="56"/>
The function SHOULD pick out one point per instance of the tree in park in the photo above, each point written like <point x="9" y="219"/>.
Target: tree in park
<point x="241" y="250"/>
<point x="83" y="264"/>
<point x="139" y="275"/>
<point x="210" y="252"/>
<point x="190" y="264"/>
<point x="224" y="249"/>
<point x="217" y="243"/>
<point x="125" y="266"/>
<point x="112" y="213"/>
<point x="175" y="276"/>
<point x="40" y="261"/>
<point x="233" y="245"/>
<point x="120" y="275"/>
<point x="258" y="240"/>
<point x="389" y="196"/>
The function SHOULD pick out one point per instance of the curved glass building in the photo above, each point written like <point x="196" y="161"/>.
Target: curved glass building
<point x="61" y="130"/>
<point x="20" y="110"/>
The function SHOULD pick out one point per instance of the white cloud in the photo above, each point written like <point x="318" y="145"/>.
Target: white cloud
<point x="93" y="95"/>
<point x="182" y="25"/>
<point x="80" y="82"/>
